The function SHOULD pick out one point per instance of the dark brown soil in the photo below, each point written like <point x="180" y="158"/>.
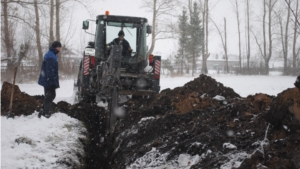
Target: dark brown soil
<point x="22" y="102"/>
<point x="285" y="109"/>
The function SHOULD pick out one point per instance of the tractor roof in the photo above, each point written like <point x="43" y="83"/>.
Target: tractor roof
<point x="122" y="18"/>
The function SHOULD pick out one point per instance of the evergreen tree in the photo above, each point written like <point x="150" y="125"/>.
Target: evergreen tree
<point x="196" y="37"/>
<point x="183" y="39"/>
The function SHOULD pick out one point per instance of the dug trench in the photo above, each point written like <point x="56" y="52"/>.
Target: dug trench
<point x="202" y="124"/>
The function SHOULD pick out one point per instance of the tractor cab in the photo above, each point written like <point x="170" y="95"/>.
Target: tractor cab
<point x="135" y="29"/>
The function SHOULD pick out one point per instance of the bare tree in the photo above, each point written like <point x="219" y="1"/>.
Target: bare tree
<point x="205" y="16"/>
<point x="57" y="10"/>
<point x="284" y="36"/>
<point x="267" y="57"/>
<point x="37" y="33"/>
<point x="51" y="37"/>
<point x="224" y="43"/>
<point x="296" y="22"/>
<point x="248" y="36"/>
<point x="7" y="37"/>
<point x="225" y="48"/>
<point x="264" y="31"/>
<point x="160" y="10"/>
<point x="236" y="6"/>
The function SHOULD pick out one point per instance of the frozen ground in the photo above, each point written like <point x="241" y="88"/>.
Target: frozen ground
<point x="30" y="142"/>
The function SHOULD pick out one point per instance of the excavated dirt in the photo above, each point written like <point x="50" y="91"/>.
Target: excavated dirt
<point x="187" y="120"/>
<point x="259" y="131"/>
<point x="285" y="109"/>
<point x="22" y="102"/>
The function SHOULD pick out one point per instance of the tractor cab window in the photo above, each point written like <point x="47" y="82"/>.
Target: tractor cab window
<point x="135" y="34"/>
<point x="113" y="28"/>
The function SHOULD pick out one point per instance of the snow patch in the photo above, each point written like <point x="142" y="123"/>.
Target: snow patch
<point x="32" y="142"/>
<point x="155" y="160"/>
<point x="235" y="160"/>
<point x="219" y="98"/>
<point x="229" y="146"/>
<point x="145" y="119"/>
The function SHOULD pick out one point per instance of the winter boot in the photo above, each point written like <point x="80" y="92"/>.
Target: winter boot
<point x="41" y="113"/>
<point x="47" y="114"/>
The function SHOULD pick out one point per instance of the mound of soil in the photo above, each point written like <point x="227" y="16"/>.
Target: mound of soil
<point x="260" y="102"/>
<point x="22" y="102"/>
<point x="194" y="95"/>
<point x="285" y="109"/>
<point x="232" y="133"/>
<point x="197" y="94"/>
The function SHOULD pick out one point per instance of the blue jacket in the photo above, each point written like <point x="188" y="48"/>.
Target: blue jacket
<point x="49" y="70"/>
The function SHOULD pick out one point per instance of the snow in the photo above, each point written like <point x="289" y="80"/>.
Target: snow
<point x="145" y="119"/>
<point x="235" y="160"/>
<point x="32" y="142"/>
<point x="219" y="98"/>
<point x="155" y="160"/>
<point x="229" y="146"/>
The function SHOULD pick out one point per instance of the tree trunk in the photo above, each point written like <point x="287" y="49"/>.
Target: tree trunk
<point x="267" y="66"/>
<point x="153" y="28"/>
<point x="57" y="20"/>
<point x="295" y="35"/>
<point x="203" y="41"/>
<point x="239" y="32"/>
<point x="206" y="36"/>
<point x="7" y="37"/>
<point x="182" y="59"/>
<point x="51" y="35"/>
<point x="248" y="33"/>
<point x="194" y="62"/>
<point x="57" y="5"/>
<point x="268" y="57"/>
<point x="264" y="31"/>
<point x="286" y="41"/>
<point x="37" y="33"/>
<point x="205" y="54"/>
<point x="225" y="48"/>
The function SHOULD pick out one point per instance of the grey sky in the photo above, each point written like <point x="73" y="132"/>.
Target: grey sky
<point x="221" y="9"/>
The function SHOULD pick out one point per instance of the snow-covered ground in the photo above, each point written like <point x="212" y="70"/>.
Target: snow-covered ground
<point x="30" y="142"/>
<point x="51" y="140"/>
<point x="243" y="85"/>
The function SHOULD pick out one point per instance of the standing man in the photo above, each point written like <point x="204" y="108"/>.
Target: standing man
<point x="49" y="78"/>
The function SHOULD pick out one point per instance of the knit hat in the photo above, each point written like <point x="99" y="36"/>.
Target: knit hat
<point x="56" y="44"/>
<point x="121" y="33"/>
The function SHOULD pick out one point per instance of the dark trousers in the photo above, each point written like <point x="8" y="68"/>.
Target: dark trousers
<point x="49" y="97"/>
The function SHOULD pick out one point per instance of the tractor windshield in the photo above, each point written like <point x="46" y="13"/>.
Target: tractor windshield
<point x="113" y="28"/>
<point x="135" y="34"/>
